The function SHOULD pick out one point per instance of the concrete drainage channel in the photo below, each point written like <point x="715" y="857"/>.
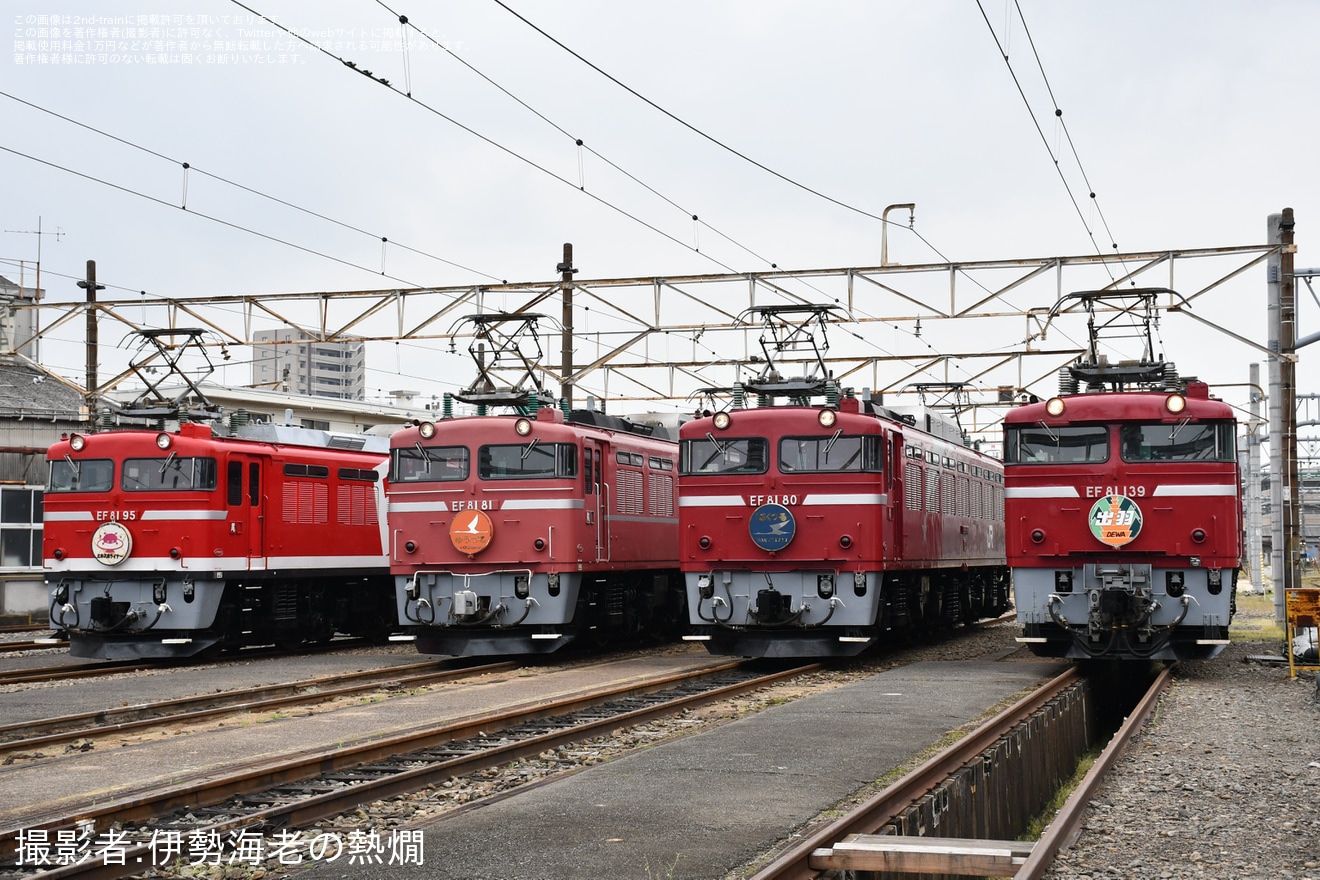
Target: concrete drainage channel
<point x="971" y="819"/>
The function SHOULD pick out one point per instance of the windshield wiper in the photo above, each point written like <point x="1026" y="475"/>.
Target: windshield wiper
<point x="530" y="446"/>
<point x="426" y="459"/>
<point x="166" y="463"/>
<point x="830" y="442"/>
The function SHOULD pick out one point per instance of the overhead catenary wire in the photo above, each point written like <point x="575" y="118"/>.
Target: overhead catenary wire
<point x="189" y="167"/>
<point x="1058" y="114"/>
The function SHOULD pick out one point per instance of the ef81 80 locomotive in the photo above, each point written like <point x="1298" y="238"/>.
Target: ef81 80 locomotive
<point x="521" y="533"/>
<point x="819" y="530"/>
<point x="176" y="543"/>
<point x="1123" y="503"/>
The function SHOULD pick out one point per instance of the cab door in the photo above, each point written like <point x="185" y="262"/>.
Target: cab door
<point x="243" y="509"/>
<point x="596" y="501"/>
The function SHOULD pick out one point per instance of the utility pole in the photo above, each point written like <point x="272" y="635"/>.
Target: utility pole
<point x="1285" y="556"/>
<point x="91" y="287"/>
<point x="566" y="339"/>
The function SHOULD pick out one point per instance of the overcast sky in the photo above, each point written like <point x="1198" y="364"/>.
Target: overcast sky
<point x="1190" y="118"/>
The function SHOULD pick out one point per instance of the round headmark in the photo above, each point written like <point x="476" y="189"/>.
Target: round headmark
<point x="470" y="531"/>
<point x="1115" y="520"/>
<point x="111" y="544"/>
<point x="772" y="526"/>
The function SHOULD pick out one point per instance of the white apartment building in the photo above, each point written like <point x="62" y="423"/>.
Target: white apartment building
<point x="289" y="361"/>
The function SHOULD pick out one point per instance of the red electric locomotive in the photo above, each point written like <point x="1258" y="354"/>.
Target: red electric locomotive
<point x="520" y="533"/>
<point x="171" y="544"/>
<point x="1123" y="503"/>
<point x="817" y="530"/>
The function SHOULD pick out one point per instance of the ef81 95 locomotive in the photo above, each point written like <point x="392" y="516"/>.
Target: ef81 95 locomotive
<point x="818" y="530"/>
<point x="172" y="544"/>
<point x="521" y="533"/>
<point x="1124" y="512"/>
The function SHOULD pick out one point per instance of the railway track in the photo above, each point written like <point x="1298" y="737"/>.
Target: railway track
<point x="26" y="735"/>
<point x="94" y="669"/>
<point x="303" y="788"/>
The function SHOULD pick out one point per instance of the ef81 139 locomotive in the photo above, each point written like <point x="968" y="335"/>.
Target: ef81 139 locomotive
<point x="820" y="530"/>
<point x="521" y="533"/>
<point x="1123" y="505"/>
<point x="177" y="543"/>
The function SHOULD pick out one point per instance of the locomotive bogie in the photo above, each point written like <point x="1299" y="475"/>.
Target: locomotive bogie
<point x="1135" y="610"/>
<point x="757" y="614"/>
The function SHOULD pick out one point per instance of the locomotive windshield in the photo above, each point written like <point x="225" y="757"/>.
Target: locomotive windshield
<point x="531" y="460"/>
<point x="1184" y="441"/>
<point x="1042" y="444"/>
<point x="169" y="474"/>
<point x="724" y="455"/>
<point x="828" y="454"/>
<point x="429" y="464"/>
<point x="82" y="475"/>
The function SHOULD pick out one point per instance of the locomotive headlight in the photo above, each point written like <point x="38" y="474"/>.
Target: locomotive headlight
<point x="1173" y="583"/>
<point x="827" y="418"/>
<point x="1054" y="406"/>
<point x="523" y="427"/>
<point x="1175" y="403"/>
<point x="722" y="420"/>
<point x="77" y="442"/>
<point x="427" y="430"/>
<point x="162" y="441"/>
<point x="1198" y="535"/>
<point x="825" y="585"/>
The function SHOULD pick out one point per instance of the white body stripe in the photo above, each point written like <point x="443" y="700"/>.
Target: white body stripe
<point x="1195" y="491"/>
<point x="418" y="506"/>
<point x="711" y="501"/>
<point x="182" y="514"/>
<point x="871" y="498"/>
<point x="542" y="504"/>
<point x="67" y="516"/>
<point x="1041" y="492"/>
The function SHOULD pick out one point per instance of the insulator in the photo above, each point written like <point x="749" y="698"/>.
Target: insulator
<point x="1067" y="381"/>
<point x="448" y="406"/>
<point x="831" y="393"/>
<point x="239" y="418"/>
<point x="1171" y="380"/>
<point x="739" y="396"/>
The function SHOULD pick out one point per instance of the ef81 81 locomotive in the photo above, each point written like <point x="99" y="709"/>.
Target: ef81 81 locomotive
<point x="521" y="533"/>
<point x="177" y="543"/>
<point x="819" y="530"/>
<point x="1123" y="503"/>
